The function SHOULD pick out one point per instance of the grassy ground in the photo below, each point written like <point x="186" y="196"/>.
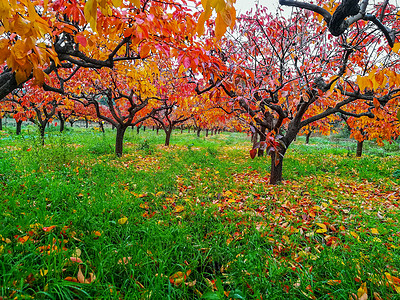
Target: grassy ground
<point x="196" y="220"/>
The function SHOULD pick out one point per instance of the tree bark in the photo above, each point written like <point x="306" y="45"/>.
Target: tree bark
<point x="158" y="128"/>
<point x="119" y="141"/>
<point x="62" y="121"/>
<point x="198" y="132"/>
<point x="359" y="148"/>
<point x="87" y="123"/>
<point x="308" y="137"/>
<point x="1" y="123"/>
<point x="19" y="126"/>
<point x="276" y="168"/>
<point x="168" y="136"/>
<point x="42" y="129"/>
<point x="137" y="129"/>
<point x="206" y="132"/>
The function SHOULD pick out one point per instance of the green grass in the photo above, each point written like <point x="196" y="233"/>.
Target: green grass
<point x="194" y="220"/>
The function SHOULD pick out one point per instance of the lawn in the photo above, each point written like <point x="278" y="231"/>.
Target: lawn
<point x="196" y="220"/>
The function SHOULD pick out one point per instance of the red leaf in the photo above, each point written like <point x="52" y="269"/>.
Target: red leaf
<point x="186" y="62"/>
<point x="81" y="40"/>
<point x="253" y="153"/>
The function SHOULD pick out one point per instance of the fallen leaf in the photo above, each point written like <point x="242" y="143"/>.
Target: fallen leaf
<point x="334" y="282"/>
<point x="362" y="292"/>
<point x="374" y="231"/>
<point x="122" y="220"/>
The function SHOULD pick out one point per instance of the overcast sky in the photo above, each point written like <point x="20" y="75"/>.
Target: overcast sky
<point x="244" y="5"/>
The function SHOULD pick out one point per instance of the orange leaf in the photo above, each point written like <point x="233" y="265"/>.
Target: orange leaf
<point x="50" y="228"/>
<point x="144" y="50"/>
<point x="334" y="282"/>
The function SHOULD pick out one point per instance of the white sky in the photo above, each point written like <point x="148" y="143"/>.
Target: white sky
<point x="243" y="5"/>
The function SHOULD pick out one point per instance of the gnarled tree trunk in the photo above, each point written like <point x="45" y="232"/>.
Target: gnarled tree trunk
<point x="276" y="166"/>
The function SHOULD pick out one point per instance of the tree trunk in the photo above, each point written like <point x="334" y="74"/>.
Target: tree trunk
<point x="158" y="128"/>
<point x="87" y="123"/>
<point x="71" y="123"/>
<point x="359" y="148"/>
<point x="168" y="136"/>
<point x="189" y="129"/>
<point x="181" y="129"/>
<point x="198" y="132"/>
<point x="144" y="128"/>
<point x="42" y="130"/>
<point x="19" y="126"/>
<point x="206" y="132"/>
<point x="62" y="122"/>
<point x="276" y="168"/>
<point x="308" y="137"/>
<point x="119" y="141"/>
<point x="1" y="123"/>
<point x="137" y="129"/>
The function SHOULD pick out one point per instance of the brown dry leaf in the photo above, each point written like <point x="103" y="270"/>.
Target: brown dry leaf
<point x="191" y="283"/>
<point x="124" y="260"/>
<point x="82" y="279"/>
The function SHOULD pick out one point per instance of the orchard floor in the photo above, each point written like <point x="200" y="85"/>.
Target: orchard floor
<point x="196" y="220"/>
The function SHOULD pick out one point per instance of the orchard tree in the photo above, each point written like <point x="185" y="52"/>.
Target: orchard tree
<point x="43" y="36"/>
<point x="287" y="74"/>
<point x="36" y="105"/>
<point x="120" y="97"/>
<point x="383" y="126"/>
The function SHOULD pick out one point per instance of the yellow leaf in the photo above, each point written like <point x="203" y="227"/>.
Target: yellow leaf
<point x="374" y="231"/>
<point x="90" y="12"/>
<point x="396" y="47"/>
<point x="43" y="272"/>
<point x="323" y="228"/>
<point x="355" y="235"/>
<point x="179" y="208"/>
<point x="122" y="220"/>
<point x="117" y="3"/>
<point x="135" y="2"/>
<point x="38" y="74"/>
<point x="362" y="291"/>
